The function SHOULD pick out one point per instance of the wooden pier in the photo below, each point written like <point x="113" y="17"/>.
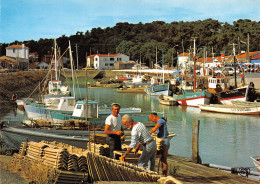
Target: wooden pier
<point x="186" y="171"/>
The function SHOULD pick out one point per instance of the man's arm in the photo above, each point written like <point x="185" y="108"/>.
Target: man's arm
<point x="108" y="131"/>
<point x="129" y="149"/>
<point x="155" y="128"/>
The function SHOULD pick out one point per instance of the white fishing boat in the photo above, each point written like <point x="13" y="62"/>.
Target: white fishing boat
<point x="256" y="161"/>
<point x="231" y="109"/>
<point x="105" y="110"/>
<point x="40" y="111"/>
<point x="167" y="100"/>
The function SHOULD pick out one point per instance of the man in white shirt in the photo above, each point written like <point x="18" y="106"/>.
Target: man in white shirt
<point x="114" y="130"/>
<point x="141" y="134"/>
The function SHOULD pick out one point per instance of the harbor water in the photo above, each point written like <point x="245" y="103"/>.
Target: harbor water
<point x="224" y="139"/>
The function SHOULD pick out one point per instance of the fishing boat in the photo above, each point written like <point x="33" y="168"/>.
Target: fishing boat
<point x="40" y="111"/>
<point x="256" y="161"/>
<point x="95" y="113"/>
<point x="245" y="93"/>
<point x="156" y="90"/>
<point x="167" y="100"/>
<point x="193" y="97"/>
<point x="231" y="109"/>
<point x="106" y="110"/>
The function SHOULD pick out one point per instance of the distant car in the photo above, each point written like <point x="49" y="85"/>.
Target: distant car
<point x="218" y="71"/>
<point x="229" y="71"/>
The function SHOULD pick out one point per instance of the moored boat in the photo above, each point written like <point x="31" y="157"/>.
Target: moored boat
<point x="245" y="93"/>
<point x="256" y="161"/>
<point x="231" y="109"/>
<point x="105" y="110"/>
<point x="191" y="98"/>
<point x="167" y="100"/>
<point x="156" y="90"/>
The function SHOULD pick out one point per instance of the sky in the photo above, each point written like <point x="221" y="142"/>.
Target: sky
<point x="23" y="20"/>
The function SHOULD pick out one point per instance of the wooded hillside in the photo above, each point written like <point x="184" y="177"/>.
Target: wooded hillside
<point x="139" y="41"/>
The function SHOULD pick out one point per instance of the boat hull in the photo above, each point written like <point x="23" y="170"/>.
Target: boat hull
<point x="256" y="161"/>
<point x="231" y="109"/>
<point x="41" y="112"/>
<point x="167" y="100"/>
<point x="156" y="90"/>
<point x="194" y="99"/>
<point x="245" y="93"/>
<point x="14" y="137"/>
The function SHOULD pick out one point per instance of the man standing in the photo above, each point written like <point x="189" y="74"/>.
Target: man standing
<point x="162" y="133"/>
<point x="141" y="134"/>
<point x="114" y="130"/>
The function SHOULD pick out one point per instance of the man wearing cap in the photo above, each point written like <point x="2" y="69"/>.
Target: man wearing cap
<point x="141" y="134"/>
<point x="114" y="130"/>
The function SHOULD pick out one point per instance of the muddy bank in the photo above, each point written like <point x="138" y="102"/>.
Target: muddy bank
<point x="20" y="83"/>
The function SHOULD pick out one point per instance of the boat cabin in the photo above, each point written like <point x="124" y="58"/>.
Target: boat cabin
<point x="56" y="88"/>
<point x="222" y="82"/>
<point x="80" y="109"/>
<point x="65" y="103"/>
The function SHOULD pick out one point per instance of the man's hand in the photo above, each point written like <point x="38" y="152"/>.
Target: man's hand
<point x="122" y="158"/>
<point x="119" y="132"/>
<point x="123" y="138"/>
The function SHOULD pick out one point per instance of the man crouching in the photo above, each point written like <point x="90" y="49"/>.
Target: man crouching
<point x="141" y="134"/>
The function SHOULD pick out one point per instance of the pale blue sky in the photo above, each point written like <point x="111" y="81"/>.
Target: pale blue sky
<point x="34" y="19"/>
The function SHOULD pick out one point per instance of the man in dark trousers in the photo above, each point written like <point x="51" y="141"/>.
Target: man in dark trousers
<point x="162" y="133"/>
<point x="114" y="130"/>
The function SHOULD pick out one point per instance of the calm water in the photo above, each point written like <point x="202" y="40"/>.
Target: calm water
<point x="227" y="140"/>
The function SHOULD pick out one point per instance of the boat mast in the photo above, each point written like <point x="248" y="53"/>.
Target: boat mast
<point x="55" y="59"/>
<point x="71" y="63"/>
<point x="234" y="52"/>
<point x="163" y="63"/>
<point x="194" y="60"/>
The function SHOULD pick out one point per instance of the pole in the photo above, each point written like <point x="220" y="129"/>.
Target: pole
<point x="234" y="50"/>
<point x="71" y="63"/>
<point x="163" y="63"/>
<point x="195" y="141"/>
<point x="55" y="59"/>
<point x="77" y="56"/>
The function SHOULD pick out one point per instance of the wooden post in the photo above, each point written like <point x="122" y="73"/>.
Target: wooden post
<point x="195" y="141"/>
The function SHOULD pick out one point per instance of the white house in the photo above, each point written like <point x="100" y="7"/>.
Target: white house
<point x="21" y="53"/>
<point x="107" y="61"/>
<point x="185" y="60"/>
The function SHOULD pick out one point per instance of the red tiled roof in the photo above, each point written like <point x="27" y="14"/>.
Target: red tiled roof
<point x="17" y="46"/>
<point x="256" y="56"/>
<point x="186" y="54"/>
<point x="210" y="59"/>
<point x="244" y="55"/>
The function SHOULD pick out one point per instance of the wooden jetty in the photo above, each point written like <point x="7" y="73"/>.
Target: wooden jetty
<point x="186" y="171"/>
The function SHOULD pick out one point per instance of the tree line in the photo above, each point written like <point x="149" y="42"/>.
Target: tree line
<point x="140" y="41"/>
